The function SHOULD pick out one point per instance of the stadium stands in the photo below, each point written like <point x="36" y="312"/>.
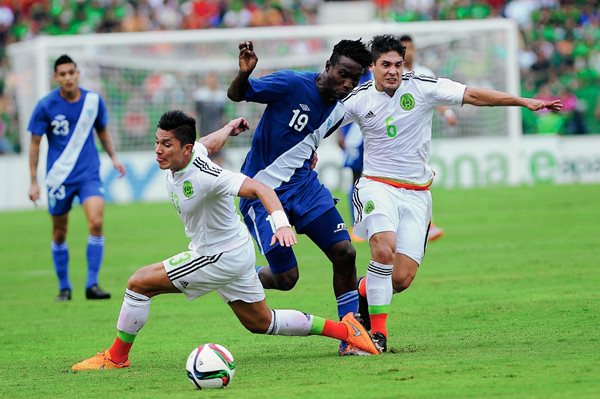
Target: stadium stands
<point x="560" y="49"/>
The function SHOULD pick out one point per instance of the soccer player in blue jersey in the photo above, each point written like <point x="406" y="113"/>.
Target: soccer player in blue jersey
<point x="302" y="109"/>
<point x="68" y="116"/>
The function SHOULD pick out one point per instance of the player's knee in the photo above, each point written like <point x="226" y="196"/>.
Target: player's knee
<point x="95" y="226"/>
<point x="285" y="281"/>
<point x="343" y="256"/>
<point x="382" y="254"/>
<point x="137" y="283"/>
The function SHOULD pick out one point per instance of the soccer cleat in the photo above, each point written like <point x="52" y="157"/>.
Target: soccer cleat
<point x="64" y="295"/>
<point x="434" y="233"/>
<point x="380" y="341"/>
<point x="95" y="292"/>
<point x="101" y="361"/>
<point x="358" y="337"/>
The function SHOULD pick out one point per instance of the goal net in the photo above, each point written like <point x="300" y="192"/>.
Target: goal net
<point x="141" y="75"/>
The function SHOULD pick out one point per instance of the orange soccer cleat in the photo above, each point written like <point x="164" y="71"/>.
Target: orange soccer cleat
<point x="359" y="340"/>
<point x="101" y="361"/>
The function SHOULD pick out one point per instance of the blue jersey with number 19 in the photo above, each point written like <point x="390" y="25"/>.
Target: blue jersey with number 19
<point x="291" y="128"/>
<point x="68" y="126"/>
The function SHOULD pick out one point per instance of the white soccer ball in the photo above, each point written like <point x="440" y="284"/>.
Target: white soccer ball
<point x="210" y="366"/>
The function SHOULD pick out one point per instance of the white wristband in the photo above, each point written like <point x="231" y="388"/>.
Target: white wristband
<point x="278" y="219"/>
<point x="448" y="113"/>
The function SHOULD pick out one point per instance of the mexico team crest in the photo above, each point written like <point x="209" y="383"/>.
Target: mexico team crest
<point x="407" y="102"/>
<point x="188" y="189"/>
<point x="369" y="207"/>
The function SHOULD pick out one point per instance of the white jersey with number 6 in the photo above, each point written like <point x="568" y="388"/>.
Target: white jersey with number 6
<point x="397" y="130"/>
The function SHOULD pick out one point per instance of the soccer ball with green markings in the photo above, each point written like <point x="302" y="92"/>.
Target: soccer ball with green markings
<point x="210" y="366"/>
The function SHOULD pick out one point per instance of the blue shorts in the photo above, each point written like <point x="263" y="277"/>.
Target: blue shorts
<point x="311" y="211"/>
<point x="60" y="200"/>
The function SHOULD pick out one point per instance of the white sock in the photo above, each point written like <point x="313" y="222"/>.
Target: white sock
<point x="289" y="322"/>
<point x="379" y="283"/>
<point x="134" y="312"/>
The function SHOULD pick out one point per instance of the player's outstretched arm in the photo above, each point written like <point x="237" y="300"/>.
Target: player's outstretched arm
<point x="279" y="221"/>
<point x="34" y="154"/>
<point x="248" y="61"/>
<point x="106" y="142"/>
<point x="486" y="97"/>
<point x="216" y="140"/>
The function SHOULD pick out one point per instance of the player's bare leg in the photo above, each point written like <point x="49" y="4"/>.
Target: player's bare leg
<point x="279" y="281"/>
<point x="343" y="259"/>
<point x="145" y="283"/>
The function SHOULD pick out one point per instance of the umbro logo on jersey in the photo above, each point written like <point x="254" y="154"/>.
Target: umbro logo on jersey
<point x="340" y="227"/>
<point x="370" y="114"/>
<point x="305" y="107"/>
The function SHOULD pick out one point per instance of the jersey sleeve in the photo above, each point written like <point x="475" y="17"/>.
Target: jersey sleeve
<point x="199" y="148"/>
<point x="39" y="119"/>
<point x="213" y="179"/>
<point x="102" y="117"/>
<point x="448" y="92"/>
<point x="269" y="88"/>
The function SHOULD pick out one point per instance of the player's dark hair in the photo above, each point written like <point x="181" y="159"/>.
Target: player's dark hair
<point x="406" y="38"/>
<point x="353" y="49"/>
<point x="63" y="59"/>
<point x="385" y="43"/>
<point x="181" y="124"/>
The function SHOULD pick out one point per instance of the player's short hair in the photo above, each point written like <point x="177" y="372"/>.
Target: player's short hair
<point x="406" y="38"/>
<point x="181" y="124"/>
<point x="353" y="49"/>
<point x="385" y="43"/>
<point x="63" y="59"/>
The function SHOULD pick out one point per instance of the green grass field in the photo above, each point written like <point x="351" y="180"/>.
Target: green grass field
<point x="506" y="305"/>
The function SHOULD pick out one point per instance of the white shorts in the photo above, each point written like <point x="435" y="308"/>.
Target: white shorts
<point x="379" y="207"/>
<point x="232" y="274"/>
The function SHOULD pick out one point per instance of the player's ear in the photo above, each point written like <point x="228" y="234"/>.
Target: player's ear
<point x="187" y="149"/>
<point x="328" y="65"/>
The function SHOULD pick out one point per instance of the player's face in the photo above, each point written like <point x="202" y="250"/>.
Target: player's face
<point x="170" y="154"/>
<point x="342" y="78"/>
<point x="387" y="72"/>
<point x="67" y="77"/>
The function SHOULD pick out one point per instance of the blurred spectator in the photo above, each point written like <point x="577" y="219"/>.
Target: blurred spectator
<point x="209" y="101"/>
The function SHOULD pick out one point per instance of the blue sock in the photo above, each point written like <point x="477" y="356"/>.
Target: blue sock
<point x="60" y="256"/>
<point x="95" y="253"/>
<point x="347" y="302"/>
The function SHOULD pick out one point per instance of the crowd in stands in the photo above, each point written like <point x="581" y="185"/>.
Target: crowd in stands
<point x="560" y="49"/>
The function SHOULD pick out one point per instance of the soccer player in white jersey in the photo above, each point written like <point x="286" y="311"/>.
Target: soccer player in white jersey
<point x="392" y="202"/>
<point x="303" y="108"/>
<point x="68" y="116"/>
<point x="221" y="255"/>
